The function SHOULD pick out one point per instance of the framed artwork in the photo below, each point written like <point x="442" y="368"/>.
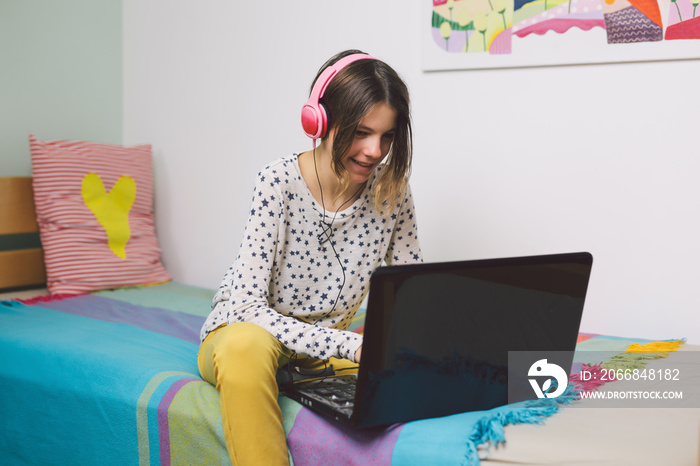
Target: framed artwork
<point x="463" y="34"/>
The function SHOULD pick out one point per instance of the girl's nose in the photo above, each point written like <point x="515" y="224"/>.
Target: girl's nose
<point x="374" y="147"/>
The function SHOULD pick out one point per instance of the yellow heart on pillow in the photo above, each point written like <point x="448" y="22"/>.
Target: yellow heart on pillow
<point x="111" y="209"/>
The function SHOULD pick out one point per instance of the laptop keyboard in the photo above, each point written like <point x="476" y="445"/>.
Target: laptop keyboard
<point x="338" y="391"/>
<point x="341" y="394"/>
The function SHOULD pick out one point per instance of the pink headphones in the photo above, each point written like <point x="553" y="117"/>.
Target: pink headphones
<point x="313" y="116"/>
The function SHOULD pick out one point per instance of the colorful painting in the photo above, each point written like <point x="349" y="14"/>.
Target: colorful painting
<point x="473" y="26"/>
<point x="498" y="33"/>
<point x="542" y="16"/>
<point x="683" y="20"/>
<point x="630" y="21"/>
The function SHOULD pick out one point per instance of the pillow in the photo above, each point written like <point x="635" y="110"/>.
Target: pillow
<point x="94" y="208"/>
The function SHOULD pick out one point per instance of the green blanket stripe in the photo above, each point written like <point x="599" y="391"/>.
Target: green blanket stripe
<point x="171" y="295"/>
<point x="603" y="343"/>
<point x="187" y="444"/>
<point x="142" y="412"/>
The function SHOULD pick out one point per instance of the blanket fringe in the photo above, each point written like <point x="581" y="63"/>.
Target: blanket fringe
<point x="49" y="298"/>
<point x="657" y="346"/>
<point x="637" y="356"/>
<point x="592" y="380"/>
<point x="489" y="430"/>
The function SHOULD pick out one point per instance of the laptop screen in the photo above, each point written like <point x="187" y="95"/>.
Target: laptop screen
<point x="437" y="335"/>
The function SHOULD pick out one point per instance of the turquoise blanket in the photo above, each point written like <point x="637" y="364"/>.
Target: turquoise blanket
<point x="111" y="378"/>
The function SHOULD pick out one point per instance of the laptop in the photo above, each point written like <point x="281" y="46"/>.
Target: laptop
<point x="438" y="335"/>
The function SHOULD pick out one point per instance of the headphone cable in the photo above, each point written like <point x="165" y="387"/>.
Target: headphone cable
<point x="329" y="231"/>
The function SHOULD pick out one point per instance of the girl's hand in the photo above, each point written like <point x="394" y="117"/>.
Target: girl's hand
<point x="358" y="354"/>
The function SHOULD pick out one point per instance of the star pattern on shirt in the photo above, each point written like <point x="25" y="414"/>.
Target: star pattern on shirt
<point x="291" y="283"/>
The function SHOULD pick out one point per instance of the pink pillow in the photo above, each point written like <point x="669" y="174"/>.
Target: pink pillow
<point x="94" y="206"/>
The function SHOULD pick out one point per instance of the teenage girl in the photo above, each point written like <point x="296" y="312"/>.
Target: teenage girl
<point x="319" y="224"/>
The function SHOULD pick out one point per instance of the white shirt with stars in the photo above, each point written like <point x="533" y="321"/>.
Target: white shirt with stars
<point x="286" y="280"/>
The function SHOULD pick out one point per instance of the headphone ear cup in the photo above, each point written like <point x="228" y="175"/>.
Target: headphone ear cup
<point x="314" y="120"/>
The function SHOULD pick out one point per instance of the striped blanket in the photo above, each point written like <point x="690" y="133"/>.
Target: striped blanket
<point x="111" y="378"/>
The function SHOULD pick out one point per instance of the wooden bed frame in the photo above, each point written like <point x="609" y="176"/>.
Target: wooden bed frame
<point x="21" y="256"/>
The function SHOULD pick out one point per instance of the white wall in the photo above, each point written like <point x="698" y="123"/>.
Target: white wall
<point x="507" y="162"/>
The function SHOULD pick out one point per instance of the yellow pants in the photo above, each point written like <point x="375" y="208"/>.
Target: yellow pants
<point x="241" y="361"/>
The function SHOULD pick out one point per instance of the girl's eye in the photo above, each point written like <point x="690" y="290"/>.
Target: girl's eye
<point x="361" y="134"/>
<point x="388" y="136"/>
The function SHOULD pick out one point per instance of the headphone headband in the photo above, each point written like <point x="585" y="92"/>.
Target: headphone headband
<point x="314" y="118"/>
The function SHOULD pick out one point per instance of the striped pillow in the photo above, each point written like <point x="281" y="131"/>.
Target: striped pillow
<point x="94" y="207"/>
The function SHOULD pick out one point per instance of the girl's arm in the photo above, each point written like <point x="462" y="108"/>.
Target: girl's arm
<point x="405" y="247"/>
<point x="244" y="292"/>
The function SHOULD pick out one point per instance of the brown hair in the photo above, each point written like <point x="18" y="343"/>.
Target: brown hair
<point x="349" y="96"/>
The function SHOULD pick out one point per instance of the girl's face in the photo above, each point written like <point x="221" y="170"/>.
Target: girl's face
<point x="371" y="144"/>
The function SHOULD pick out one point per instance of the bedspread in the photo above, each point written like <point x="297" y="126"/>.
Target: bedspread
<point x="111" y="378"/>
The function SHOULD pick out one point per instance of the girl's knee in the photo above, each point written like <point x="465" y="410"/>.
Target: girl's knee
<point x="245" y="356"/>
<point x="246" y="348"/>
<point x="245" y="338"/>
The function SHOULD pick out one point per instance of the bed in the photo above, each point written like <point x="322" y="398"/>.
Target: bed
<point x="109" y="376"/>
